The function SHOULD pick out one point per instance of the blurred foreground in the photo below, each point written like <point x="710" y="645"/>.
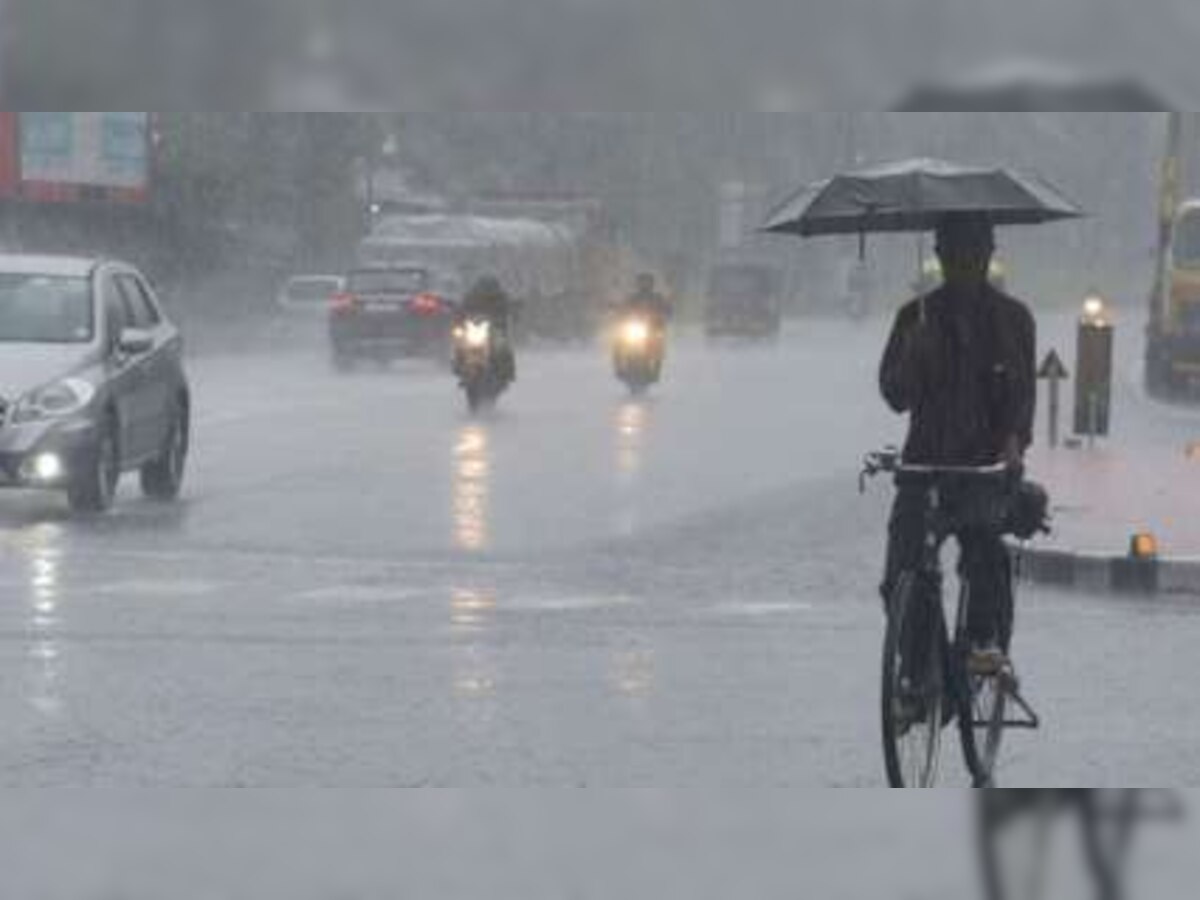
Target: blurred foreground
<point x="547" y="54"/>
<point x="541" y="846"/>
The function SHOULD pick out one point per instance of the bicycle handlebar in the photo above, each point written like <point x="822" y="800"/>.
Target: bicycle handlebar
<point x="890" y="462"/>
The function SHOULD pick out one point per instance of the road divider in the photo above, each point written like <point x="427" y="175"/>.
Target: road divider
<point x="1129" y="574"/>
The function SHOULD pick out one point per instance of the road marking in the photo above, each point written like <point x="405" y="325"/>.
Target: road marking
<point x="160" y="588"/>
<point x="206" y="555"/>
<point x="567" y="604"/>
<point x="757" y="610"/>
<point x="354" y="594"/>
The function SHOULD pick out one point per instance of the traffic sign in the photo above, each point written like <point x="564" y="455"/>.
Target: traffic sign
<point x="1054" y="371"/>
<point x="1053" y="368"/>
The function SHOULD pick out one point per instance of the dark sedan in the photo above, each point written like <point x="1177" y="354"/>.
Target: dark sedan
<point x="386" y="314"/>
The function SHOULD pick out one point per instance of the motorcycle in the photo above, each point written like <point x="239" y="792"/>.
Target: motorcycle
<point x="480" y="356"/>
<point x="638" y="353"/>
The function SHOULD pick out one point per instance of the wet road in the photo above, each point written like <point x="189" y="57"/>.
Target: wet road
<point x="366" y="588"/>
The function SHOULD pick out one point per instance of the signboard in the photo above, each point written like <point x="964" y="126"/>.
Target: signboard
<point x="9" y="161"/>
<point x="94" y="149"/>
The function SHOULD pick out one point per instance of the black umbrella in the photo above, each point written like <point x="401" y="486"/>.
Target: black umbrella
<point x="915" y="196"/>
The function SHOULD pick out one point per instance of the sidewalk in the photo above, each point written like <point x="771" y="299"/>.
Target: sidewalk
<point x="1102" y="498"/>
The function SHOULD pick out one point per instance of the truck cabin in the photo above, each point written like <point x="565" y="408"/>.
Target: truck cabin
<point x="1185" y="275"/>
<point x="744" y="298"/>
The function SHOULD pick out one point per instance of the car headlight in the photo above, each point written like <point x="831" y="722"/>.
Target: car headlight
<point x="63" y="398"/>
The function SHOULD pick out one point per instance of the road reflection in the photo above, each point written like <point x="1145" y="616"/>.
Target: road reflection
<point x="42" y="549"/>
<point x="633" y="672"/>
<point x="630" y="427"/>
<point x="471" y="609"/>
<point x="475" y="672"/>
<point x="631" y="421"/>
<point x="472" y="489"/>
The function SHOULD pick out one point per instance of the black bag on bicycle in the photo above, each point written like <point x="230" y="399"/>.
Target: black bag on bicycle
<point x="1029" y="514"/>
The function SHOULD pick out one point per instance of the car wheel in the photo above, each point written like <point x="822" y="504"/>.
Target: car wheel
<point x="93" y="488"/>
<point x="162" y="478"/>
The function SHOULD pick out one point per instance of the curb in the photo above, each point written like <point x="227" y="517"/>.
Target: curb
<point x="1108" y="574"/>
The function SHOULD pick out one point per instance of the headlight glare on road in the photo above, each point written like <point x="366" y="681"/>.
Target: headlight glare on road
<point x="63" y="398"/>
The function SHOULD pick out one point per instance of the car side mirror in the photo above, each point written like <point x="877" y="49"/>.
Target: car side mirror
<point x="135" y="342"/>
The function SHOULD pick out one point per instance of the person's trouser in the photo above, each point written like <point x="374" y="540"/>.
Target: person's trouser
<point x="984" y="563"/>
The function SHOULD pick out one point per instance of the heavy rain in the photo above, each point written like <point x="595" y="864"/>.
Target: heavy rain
<point x="526" y="450"/>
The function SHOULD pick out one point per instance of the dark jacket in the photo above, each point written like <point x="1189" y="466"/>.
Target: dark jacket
<point x="488" y="301"/>
<point x="654" y="305"/>
<point x="967" y="375"/>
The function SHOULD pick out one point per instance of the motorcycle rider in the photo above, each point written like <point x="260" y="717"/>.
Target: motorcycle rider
<point x="647" y="301"/>
<point x="488" y="300"/>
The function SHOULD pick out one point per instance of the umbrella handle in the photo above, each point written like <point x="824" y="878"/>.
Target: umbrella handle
<point x="921" y="271"/>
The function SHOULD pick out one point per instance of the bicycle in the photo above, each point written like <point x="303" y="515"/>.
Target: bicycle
<point x="927" y="679"/>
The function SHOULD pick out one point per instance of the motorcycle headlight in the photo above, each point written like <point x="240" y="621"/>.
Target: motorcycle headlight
<point x="477" y="334"/>
<point x="635" y="332"/>
<point x="63" y="398"/>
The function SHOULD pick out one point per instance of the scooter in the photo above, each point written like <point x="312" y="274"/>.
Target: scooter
<point x="480" y="362"/>
<point x="638" y="353"/>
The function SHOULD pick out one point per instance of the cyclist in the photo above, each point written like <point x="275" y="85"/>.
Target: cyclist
<point x="961" y="363"/>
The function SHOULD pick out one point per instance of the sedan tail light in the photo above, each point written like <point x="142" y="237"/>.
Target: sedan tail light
<point x="427" y="305"/>
<point x="344" y="302"/>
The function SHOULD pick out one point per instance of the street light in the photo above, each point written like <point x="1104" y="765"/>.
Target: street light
<point x="1095" y="310"/>
<point x="388" y="152"/>
<point x="1094" y="368"/>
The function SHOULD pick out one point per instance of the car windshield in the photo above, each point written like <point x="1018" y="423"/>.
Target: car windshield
<point x="45" y="309"/>
<point x="391" y="281"/>
<point x="312" y="290"/>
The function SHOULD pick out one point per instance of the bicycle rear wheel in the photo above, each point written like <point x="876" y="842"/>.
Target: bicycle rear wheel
<point x="914" y="688"/>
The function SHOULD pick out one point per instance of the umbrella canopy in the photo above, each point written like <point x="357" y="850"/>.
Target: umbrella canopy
<point x="914" y="196"/>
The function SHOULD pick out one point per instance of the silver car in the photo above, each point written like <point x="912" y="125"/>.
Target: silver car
<point x="92" y="383"/>
<point x="309" y="295"/>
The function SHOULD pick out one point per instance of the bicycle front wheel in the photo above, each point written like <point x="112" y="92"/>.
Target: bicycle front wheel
<point x="914" y="688"/>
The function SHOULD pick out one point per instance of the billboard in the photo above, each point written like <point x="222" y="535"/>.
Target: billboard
<point x="85" y="149"/>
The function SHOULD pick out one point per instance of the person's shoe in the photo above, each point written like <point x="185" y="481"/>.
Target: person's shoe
<point x="988" y="662"/>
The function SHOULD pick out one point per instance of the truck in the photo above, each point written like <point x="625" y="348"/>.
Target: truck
<point x="744" y="298"/>
<point x="1173" y="337"/>
<point x="557" y="256"/>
